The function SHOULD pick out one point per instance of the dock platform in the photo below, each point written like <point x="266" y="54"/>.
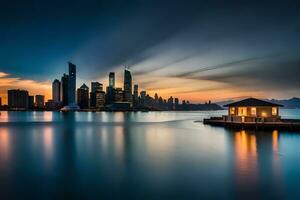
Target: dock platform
<point x="284" y="124"/>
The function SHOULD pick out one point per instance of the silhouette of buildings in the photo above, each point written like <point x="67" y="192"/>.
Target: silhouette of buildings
<point x="111" y="79"/>
<point x="127" y="86"/>
<point x="17" y="99"/>
<point x="64" y="89"/>
<point x="72" y="84"/>
<point x="83" y="97"/>
<point x="56" y="87"/>
<point x="96" y="86"/>
<point x="114" y="99"/>
<point x="135" y="95"/>
<point x="39" y="101"/>
<point x="31" y="102"/>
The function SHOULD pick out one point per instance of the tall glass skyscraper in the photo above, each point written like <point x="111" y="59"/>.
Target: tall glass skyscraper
<point x="65" y="89"/>
<point x="56" y="91"/>
<point x="72" y="84"/>
<point x="112" y="79"/>
<point x="127" y="86"/>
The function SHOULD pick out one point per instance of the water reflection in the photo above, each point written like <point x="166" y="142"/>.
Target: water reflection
<point x="257" y="155"/>
<point x="246" y="157"/>
<point x="5" y="147"/>
<point x="48" y="144"/>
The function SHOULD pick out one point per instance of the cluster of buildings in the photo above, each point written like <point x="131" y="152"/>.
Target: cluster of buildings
<point x="65" y="97"/>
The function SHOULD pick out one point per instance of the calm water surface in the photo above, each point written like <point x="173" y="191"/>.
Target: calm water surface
<point x="153" y="155"/>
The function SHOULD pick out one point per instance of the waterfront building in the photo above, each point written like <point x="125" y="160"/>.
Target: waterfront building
<point x="127" y="86"/>
<point x="135" y="95"/>
<point x="100" y="99"/>
<point x="176" y="105"/>
<point x="39" y="101"/>
<point x="83" y="96"/>
<point x="143" y="98"/>
<point x="111" y="79"/>
<point x="170" y="103"/>
<point x="17" y="99"/>
<point x="118" y="95"/>
<point x="31" y="102"/>
<point x="96" y="87"/>
<point x="253" y="110"/>
<point x="64" y="89"/>
<point x="56" y="87"/>
<point x="72" y="84"/>
<point x="110" y="93"/>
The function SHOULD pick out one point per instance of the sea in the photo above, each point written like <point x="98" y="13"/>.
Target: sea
<point x="144" y="155"/>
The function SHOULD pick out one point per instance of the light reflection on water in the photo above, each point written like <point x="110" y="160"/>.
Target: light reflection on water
<point x="139" y="155"/>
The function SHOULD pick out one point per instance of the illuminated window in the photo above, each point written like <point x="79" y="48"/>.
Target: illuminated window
<point x="264" y="114"/>
<point x="274" y="111"/>
<point x="253" y="111"/>
<point x="232" y="110"/>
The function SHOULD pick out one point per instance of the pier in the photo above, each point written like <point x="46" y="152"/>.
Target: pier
<point x="283" y="125"/>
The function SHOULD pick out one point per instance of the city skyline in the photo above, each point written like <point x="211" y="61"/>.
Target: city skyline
<point x="238" y="49"/>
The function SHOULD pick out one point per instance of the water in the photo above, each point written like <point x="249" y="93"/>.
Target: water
<point x="153" y="155"/>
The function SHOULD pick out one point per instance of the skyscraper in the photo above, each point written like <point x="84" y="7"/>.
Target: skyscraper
<point x="64" y="89"/>
<point x="72" y="84"/>
<point x="17" y="99"/>
<point x="40" y="101"/>
<point x="56" y="91"/>
<point x="127" y="86"/>
<point x="112" y="79"/>
<point x="31" y="102"/>
<point x="135" y="95"/>
<point x="96" y="86"/>
<point x="83" y="96"/>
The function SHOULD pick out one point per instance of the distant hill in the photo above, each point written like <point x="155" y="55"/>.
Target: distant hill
<point x="293" y="103"/>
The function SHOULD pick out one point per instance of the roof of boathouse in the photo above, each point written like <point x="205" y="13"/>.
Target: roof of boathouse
<point x="252" y="102"/>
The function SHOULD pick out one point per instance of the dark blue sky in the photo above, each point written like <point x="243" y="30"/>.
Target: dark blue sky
<point x="241" y="47"/>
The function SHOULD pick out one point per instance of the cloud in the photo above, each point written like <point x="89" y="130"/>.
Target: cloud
<point x="8" y="81"/>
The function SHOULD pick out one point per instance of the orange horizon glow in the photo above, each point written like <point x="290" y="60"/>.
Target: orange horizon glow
<point x="195" y="91"/>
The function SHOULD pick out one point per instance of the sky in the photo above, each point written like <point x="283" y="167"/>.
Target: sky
<point x="194" y="50"/>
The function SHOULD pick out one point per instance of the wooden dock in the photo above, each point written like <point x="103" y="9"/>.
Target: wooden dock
<point x="284" y="124"/>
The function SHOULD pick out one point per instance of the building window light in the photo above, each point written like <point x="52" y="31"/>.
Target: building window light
<point x="253" y="111"/>
<point x="274" y="111"/>
<point x="232" y="111"/>
<point x="264" y="114"/>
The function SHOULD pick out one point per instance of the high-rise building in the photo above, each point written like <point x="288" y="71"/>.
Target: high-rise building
<point x="64" y="90"/>
<point x="127" y="86"/>
<point x="110" y="93"/>
<point x="72" y="84"/>
<point x="170" y="103"/>
<point x="96" y="86"/>
<point x="17" y="99"/>
<point x="31" y="102"/>
<point x="176" y="106"/>
<point x="112" y="79"/>
<point x="56" y="86"/>
<point x="100" y="99"/>
<point x="135" y="95"/>
<point x="118" y="95"/>
<point x="83" y="96"/>
<point x="156" y="98"/>
<point x="39" y="101"/>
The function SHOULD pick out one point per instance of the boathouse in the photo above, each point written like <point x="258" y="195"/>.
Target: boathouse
<point x="252" y="110"/>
